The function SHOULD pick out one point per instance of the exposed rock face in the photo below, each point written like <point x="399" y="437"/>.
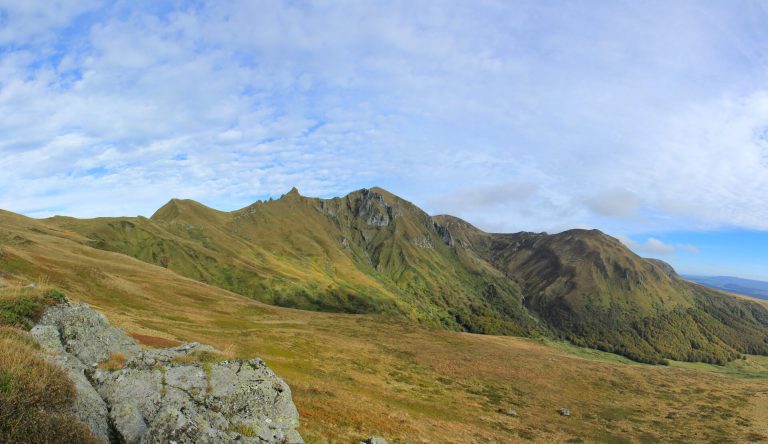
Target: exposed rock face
<point x="665" y="267"/>
<point x="86" y="333"/>
<point x="444" y="233"/>
<point x="88" y="408"/>
<point x="373" y="210"/>
<point x="155" y="399"/>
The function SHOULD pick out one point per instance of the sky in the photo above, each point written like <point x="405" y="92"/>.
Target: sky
<point x="647" y="120"/>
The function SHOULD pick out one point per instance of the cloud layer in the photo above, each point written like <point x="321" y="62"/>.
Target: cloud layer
<point x="516" y="115"/>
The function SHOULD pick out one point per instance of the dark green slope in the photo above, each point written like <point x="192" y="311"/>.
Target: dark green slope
<point x="594" y="291"/>
<point x="371" y="251"/>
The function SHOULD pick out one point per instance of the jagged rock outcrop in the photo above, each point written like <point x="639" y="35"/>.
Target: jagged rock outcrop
<point x="164" y="395"/>
<point x="86" y="333"/>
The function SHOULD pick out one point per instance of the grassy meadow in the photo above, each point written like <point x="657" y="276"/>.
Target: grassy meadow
<point x="357" y="375"/>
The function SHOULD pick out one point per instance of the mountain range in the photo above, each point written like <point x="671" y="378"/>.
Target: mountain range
<point x="373" y="252"/>
<point x="747" y="287"/>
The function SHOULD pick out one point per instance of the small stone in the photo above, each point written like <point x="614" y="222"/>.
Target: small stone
<point x="564" y="412"/>
<point x="509" y="412"/>
<point x="374" y="440"/>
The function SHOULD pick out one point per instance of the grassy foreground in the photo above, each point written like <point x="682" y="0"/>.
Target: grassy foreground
<point x="357" y="375"/>
<point x="33" y="392"/>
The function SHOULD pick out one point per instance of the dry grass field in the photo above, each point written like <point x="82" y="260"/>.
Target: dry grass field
<point x="357" y="375"/>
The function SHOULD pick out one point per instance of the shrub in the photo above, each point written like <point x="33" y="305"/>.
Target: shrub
<point x="33" y="393"/>
<point x="19" y="311"/>
<point x="22" y="309"/>
<point x="56" y="296"/>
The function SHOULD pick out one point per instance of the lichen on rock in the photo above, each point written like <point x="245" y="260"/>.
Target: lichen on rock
<point x="162" y="395"/>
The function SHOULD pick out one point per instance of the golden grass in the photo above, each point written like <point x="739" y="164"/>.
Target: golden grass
<point x="116" y="361"/>
<point x="33" y="394"/>
<point x="200" y="356"/>
<point x="154" y="341"/>
<point x="354" y="376"/>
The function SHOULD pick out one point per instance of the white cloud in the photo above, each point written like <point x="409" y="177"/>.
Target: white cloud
<point x="653" y="246"/>
<point x="650" y="246"/>
<point x="484" y="197"/>
<point x="615" y="202"/>
<point x="35" y="21"/>
<point x="515" y="115"/>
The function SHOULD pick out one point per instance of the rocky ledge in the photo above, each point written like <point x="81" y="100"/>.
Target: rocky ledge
<point x="163" y="395"/>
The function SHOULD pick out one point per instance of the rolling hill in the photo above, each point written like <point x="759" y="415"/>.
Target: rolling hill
<point x="356" y="375"/>
<point x="373" y="252"/>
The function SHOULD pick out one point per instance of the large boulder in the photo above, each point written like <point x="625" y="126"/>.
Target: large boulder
<point x="202" y="402"/>
<point x="164" y="395"/>
<point x="86" y="333"/>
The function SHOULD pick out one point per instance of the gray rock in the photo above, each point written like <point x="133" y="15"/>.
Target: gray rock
<point x="140" y="389"/>
<point x="154" y="399"/>
<point x="564" y="412"/>
<point x="374" y="440"/>
<point x="445" y="234"/>
<point x="87" y="334"/>
<point x="200" y="402"/>
<point x="48" y="338"/>
<point x="89" y="408"/>
<point x="163" y="356"/>
<point x="172" y="425"/>
<point x="508" y="412"/>
<point x="128" y="421"/>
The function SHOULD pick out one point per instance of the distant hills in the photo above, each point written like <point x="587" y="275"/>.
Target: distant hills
<point x="748" y="287"/>
<point x="373" y="252"/>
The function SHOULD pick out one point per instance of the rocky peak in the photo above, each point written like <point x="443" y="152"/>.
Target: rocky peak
<point x="370" y="206"/>
<point x="294" y="192"/>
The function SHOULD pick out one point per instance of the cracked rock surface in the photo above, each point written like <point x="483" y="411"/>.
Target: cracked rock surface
<point x="154" y="399"/>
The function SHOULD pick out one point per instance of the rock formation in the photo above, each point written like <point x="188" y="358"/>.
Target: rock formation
<point x="163" y="395"/>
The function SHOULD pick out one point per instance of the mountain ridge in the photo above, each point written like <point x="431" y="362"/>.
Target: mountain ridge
<point x="733" y="284"/>
<point x="374" y="252"/>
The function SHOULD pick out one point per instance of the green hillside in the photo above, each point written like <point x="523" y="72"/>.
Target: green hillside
<point x="595" y="292"/>
<point x="373" y="252"/>
<point x="368" y="252"/>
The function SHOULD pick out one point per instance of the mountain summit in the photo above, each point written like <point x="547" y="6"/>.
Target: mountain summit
<point x="373" y="252"/>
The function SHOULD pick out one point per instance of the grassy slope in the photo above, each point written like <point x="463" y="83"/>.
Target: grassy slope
<point x="355" y="375"/>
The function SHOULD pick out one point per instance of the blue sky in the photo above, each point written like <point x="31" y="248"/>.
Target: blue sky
<point x="648" y="120"/>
